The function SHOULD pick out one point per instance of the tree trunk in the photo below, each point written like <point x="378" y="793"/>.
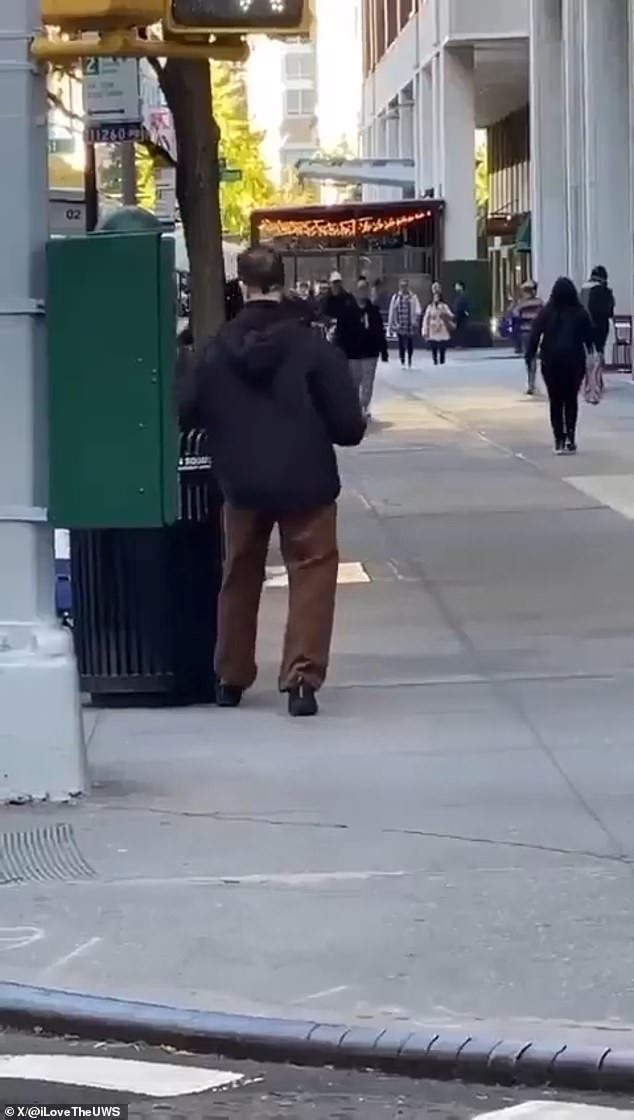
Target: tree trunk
<point x="187" y="89"/>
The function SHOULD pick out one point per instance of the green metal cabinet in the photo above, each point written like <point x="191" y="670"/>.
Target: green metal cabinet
<point x="113" y="442"/>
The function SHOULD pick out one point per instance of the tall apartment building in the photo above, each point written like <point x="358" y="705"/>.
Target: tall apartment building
<point x="282" y="89"/>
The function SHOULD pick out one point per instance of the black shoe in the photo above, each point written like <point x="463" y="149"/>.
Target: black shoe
<point x="571" y="446"/>
<point x="228" y="695"/>
<point x="302" y="700"/>
<point x="560" y="446"/>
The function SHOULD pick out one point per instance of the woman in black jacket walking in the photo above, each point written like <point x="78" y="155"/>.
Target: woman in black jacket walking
<point x="563" y="332"/>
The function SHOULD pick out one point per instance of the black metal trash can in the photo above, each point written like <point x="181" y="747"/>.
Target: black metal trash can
<point x="145" y="600"/>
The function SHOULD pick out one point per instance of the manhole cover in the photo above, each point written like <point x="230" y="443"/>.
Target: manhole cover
<point x="41" y="854"/>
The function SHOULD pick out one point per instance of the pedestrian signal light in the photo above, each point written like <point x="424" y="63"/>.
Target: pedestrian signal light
<point x="100" y="15"/>
<point x="284" y="18"/>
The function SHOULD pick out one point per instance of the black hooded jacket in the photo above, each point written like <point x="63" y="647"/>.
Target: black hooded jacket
<point x="274" y="397"/>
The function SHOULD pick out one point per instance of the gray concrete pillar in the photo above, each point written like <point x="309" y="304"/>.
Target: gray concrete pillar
<point x="548" y="175"/>
<point x="608" y="239"/>
<point x="426" y="167"/>
<point x="456" y="170"/>
<point x="574" y="84"/>
<point x="41" y="747"/>
<point x="406" y="126"/>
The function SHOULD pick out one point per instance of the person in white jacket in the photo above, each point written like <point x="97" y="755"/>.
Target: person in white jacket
<point x="403" y="319"/>
<point x="438" y="324"/>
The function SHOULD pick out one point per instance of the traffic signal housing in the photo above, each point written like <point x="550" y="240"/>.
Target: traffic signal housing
<point x="100" y="15"/>
<point x="279" y="18"/>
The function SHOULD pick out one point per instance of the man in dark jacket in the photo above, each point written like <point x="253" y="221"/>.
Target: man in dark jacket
<point x="461" y="313"/>
<point x="374" y="344"/>
<point x="274" y="398"/>
<point x="342" y="308"/>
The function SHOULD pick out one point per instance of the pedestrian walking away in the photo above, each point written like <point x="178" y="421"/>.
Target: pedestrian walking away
<point x="526" y="311"/>
<point x="598" y="299"/>
<point x="403" y="320"/>
<point x="274" y="398"/>
<point x="438" y="323"/>
<point x="565" y="335"/>
<point x="461" y="313"/>
<point x="375" y="344"/>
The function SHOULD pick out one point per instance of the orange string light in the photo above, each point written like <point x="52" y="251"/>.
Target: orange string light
<point x="351" y="227"/>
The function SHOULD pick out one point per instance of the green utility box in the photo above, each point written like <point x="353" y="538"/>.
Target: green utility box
<point x="113" y="444"/>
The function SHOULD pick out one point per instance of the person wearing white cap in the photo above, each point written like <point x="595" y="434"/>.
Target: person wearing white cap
<point x="349" y="335"/>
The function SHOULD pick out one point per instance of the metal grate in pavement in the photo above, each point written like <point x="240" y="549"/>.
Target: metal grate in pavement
<point x="41" y="855"/>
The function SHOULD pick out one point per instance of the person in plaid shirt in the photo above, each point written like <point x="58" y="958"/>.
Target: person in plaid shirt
<point x="403" y="319"/>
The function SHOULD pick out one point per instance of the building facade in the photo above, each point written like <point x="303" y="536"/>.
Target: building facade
<point x="552" y="82"/>
<point x="582" y="86"/>
<point x="436" y="71"/>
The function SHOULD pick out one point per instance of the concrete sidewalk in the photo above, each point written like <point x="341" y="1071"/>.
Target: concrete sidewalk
<point x="452" y="841"/>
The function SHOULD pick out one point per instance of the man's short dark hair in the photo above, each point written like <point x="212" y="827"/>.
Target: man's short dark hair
<point x="261" y="268"/>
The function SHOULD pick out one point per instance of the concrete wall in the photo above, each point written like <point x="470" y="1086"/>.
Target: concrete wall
<point x="477" y="19"/>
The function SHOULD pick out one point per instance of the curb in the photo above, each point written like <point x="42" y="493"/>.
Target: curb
<point x="443" y="1055"/>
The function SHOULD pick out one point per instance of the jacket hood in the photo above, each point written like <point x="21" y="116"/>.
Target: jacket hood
<point x="260" y="339"/>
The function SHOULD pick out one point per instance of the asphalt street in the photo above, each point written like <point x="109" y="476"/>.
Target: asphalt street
<point x="257" y="1092"/>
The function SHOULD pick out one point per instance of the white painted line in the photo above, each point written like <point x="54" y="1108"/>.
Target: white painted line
<point x="281" y="879"/>
<point x="613" y="490"/>
<point x="320" y="995"/>
<point x="556" y="1110"/>
<point x="18" y="937"/>
<point x="78" y="951"/>
<point x="348" y="573"/>
<point x="149" y="1079"/>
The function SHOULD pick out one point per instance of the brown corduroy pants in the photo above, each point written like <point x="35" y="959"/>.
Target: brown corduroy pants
<point x="309" y="549"/>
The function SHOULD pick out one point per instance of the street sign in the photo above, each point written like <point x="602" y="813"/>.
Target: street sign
<point x="61" y="145"/>
<point x="66" y="212"/>
<point x="230" y="175"/>
<point x="165" y="183"/>
<point x="112" y="100"/>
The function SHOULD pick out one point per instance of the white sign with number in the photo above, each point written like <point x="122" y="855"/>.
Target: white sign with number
<point x="165" y="181"/>
<point x="111" y="91"/>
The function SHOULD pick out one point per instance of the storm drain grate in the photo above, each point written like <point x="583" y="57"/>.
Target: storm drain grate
<point x="41" y="855"/>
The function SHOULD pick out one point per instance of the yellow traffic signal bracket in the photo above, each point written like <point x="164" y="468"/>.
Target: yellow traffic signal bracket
<point x="128" y="44"/>
<point x="100" y="15"/>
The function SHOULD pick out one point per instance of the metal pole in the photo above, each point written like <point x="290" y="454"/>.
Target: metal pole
<point x="41" y="751"/>
<point x="128" y="173"/>
<point x="91" y="189"/>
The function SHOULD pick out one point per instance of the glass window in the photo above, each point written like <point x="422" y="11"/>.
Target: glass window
<point x="299" y="64"/>
<point x="299" y="103"/>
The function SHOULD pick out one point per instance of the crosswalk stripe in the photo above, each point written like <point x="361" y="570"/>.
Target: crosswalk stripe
<point x="350" y="572"/>
<point x="557" y="1110"/>
<point x="122" y="1075"/>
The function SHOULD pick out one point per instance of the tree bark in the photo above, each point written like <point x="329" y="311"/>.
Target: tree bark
<point x="187" y="88"/>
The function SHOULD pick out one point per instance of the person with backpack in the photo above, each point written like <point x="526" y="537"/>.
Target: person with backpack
<point x="598" y="299"/>
<point x="527" y="309"/>
<point x="403" y="319"/>
<point x="564" y="333"/>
